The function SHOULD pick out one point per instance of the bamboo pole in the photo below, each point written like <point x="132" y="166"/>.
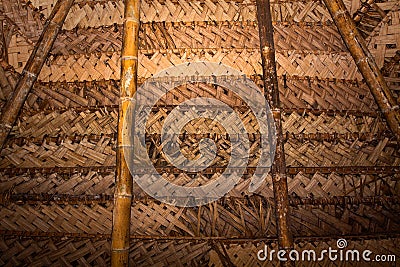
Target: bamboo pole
<point x="271" y="92"/>
<point x="365" y="7"/>
<point x="33" y="66"/>
<point x="366" y="64"/>
<point x="3" y="43"/>
<point x="124" y="183"/>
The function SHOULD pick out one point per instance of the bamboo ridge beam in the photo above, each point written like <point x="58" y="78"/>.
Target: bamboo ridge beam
<point x="124" y="182"/>
<point x="33" y="66"/>
<point x="271" y="92"/>
<point x="366" y="64"/>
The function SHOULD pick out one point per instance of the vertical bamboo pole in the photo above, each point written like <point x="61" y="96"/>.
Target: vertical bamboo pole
<point x="124" y="183"/>
<point x="271" y="92"/>
<point x="366" y="64"/>
<point x="33" y="66"/>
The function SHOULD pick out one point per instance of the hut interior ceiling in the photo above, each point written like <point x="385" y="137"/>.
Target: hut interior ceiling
<point x="57" y="167"/>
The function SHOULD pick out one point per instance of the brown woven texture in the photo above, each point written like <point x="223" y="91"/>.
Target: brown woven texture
<point x="70" y="147"/>
<point x="106" y="66"/>
<point x="89" y="153"/>
<point x="384" y="40"/>
<point x="246" y="254"/>
<point x="384" y="44"/>
<point x="96" y="252"/>
<point x="89" y="13"/>
<point x="295" y="92"/>
<point x="67" y="154"/>
<point x="197" y="35"/>
<point x="29" y="16"/>
<point x="93" y="182"/>
<point x="57" y="169"/>
<point x="243" y="218"/>
<point x="82" y="137"/>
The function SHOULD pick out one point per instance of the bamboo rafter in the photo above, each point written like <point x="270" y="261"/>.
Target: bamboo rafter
<point x="366" y="64"/>
<point x="383" y="42"/>
<point x="33" y="67"/>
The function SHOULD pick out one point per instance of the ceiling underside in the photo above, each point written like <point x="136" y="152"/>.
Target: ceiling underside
<point x="57" y="168"/>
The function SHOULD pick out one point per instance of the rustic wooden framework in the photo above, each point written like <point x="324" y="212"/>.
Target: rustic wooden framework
<point x="366" y="64"/>
<point x="33" y="66"/>
<point x="271" y="92"/>
<point x="336" y="144"/>
<point x="124" y="183"/>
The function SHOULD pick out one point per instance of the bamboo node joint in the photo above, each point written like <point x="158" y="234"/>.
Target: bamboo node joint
<point x="129" y="58"/>
<point x="30" y="74"/>
<point x="133" y="19"/>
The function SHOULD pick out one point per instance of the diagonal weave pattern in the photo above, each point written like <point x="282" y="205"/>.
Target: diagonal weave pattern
<point x="67" y="154"/>
<point x="295" y="92"/>
<point x="106" y="66"/>
<point x="246" y="254"/>
<point x="100" y="13"/>
<point x="296" y="36"/>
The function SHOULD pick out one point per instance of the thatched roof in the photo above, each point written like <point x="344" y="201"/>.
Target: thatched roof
<point x="57" y="167"/>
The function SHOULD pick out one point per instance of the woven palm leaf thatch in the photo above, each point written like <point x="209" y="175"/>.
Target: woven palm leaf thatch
<point x="57" y="168"/>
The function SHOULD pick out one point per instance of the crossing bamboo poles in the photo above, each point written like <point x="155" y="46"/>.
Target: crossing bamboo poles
<point x="271" y="92"/>
<point x="124" y="183"/>
<point x="366" y="64"/>
<point x="33" y="66"/>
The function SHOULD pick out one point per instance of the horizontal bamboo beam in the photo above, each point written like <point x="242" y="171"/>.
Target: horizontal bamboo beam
<point x="33" y="66"/>
<point x="366" y="64"/>
<point x="286" y="111"/>
<point x="350" y="170"/>
<point x="67" y="199"/>
<point x="228" y="240"/>
<point x="366" y="138"/>
<point x="290" y="170"/>
<point x="254" y="77"/>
